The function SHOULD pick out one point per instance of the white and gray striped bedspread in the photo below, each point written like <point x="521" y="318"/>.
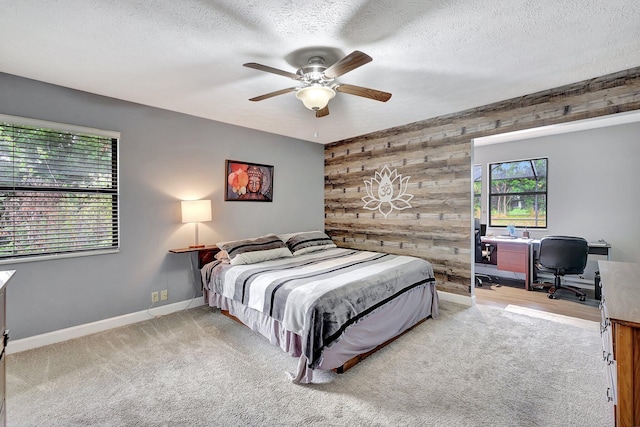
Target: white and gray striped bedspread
<point x="318" y="295"/>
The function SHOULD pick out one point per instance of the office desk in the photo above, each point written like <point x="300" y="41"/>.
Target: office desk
<point x="595" y="248"/>
<point x="600" y="248"/>
<point x="516" y="255"/>
<point x="513" y="255"/>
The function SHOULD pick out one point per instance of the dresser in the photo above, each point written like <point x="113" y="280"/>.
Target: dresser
<point x="5" y="276"/>
<point x="620" y="329"/>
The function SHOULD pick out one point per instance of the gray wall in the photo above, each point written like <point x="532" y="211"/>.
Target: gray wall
<point x="164" y="157"/>
<point x="591" y="184"/>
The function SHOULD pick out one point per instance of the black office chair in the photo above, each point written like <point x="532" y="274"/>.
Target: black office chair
<point x="563" y="255"/>
<point x="481" y="256"/>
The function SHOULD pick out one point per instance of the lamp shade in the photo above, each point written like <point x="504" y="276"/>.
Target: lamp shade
<point x="196" y="210"/>
<point x="315" y="97"/>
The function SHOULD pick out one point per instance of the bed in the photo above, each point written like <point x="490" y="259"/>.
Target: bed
<point x="326" y="305"/>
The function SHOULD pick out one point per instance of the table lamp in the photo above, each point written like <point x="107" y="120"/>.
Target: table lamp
<point x="196" y="211"/>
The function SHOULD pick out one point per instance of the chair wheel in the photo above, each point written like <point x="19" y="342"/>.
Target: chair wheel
<point x="550" y="296"/>
<point x="582" y="298"/>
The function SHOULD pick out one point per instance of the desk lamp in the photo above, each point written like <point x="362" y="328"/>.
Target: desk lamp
<point x="196" y="211"/>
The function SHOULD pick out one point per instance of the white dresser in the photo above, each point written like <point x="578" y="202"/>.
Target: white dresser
<point x="620" y="329"/>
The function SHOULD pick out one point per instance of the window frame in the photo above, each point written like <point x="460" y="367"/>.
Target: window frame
<point x="115" y="194"/>
<point x="491" y="193"/>
<point x="477" y="197"/>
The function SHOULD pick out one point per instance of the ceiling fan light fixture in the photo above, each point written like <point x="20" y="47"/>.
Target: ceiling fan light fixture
<point x="316" y="82"/>
<point x="315" y="97"/>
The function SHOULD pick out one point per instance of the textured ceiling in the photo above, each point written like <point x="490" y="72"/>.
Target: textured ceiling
<point x="435" y="56"/>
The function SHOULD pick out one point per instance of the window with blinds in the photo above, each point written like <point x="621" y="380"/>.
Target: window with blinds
<point x="58" y="190"/>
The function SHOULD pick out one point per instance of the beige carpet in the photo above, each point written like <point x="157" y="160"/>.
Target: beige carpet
<point x="478" y="366"/>
<point x="560" y="318"/>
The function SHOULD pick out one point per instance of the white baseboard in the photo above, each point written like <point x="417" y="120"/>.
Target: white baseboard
<point x="53" y="337"/>
<point x="458" y="299"/>
<point x="567" y="320"/>
<point x="16" y="346"/>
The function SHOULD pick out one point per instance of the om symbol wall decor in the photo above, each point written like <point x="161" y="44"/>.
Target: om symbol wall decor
<point x="382" y="194"/>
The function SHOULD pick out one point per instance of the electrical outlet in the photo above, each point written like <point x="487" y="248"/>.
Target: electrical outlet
<point x="164" y="295"/>
<point x="154" y="297"/>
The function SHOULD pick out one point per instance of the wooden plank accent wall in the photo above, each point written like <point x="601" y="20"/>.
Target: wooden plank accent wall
<point x="436" y="155"/>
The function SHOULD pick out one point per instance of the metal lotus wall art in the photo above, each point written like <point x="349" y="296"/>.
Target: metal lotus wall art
<point x="386" y="191"/>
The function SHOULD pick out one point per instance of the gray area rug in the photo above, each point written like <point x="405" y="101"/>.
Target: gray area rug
<point x="473" y="366"/>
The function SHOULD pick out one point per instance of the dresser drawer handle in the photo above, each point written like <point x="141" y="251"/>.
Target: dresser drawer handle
<point x="609" y="359"/>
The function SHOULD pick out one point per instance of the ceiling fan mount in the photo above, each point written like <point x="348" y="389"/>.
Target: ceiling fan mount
<point x="313" y="70"/>
<point x="317" y="81"/>
<point x="300" y="57"/>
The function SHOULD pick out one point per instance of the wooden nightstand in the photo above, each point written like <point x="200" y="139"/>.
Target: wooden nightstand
<point x="206" y="254"/>
<point x="203" y="248"/>
<point x="198" y="257"/>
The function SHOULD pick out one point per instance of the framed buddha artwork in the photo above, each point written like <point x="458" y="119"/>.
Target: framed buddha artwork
<point x="248" y="182"/>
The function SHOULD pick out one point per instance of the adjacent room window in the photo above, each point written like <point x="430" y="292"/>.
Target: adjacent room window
<point x="477" y="191"/>
<point x="58" y="189"/>
<point x="518" y="193"/>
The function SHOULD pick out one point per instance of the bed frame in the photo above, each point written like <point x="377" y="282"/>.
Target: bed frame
<point x="207" y="255"/>
<point x="354" y="360"/>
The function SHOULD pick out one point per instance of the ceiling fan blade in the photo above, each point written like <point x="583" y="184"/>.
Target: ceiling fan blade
<point x="323" y="111"/>
<point x="272" y="94"/>
<point x="365" y="92"/>
<point x="268" y="69"/>
<point x="350" y="62"/>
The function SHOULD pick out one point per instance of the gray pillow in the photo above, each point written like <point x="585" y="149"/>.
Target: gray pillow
<point x="310" y="241"/>
<point x="251" y="251"/>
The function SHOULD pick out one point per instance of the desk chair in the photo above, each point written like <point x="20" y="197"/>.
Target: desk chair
<point x="563" y="255"/>
<point x="487" y="249"/>
<point x="482" y="256"/>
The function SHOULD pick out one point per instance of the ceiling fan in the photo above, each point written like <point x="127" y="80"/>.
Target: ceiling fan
<point x="317" y="82"/>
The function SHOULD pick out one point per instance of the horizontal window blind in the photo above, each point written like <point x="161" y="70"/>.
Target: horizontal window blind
<point x="58" y="191"/>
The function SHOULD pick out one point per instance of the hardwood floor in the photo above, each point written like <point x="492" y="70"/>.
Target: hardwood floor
<point x="567" y="305"/>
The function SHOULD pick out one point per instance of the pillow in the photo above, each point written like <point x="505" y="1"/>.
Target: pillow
<point x="250" y="251"/>
<point x="287" y="236"/>
<point x="223" y="256"/>
<point x="311" y="241"/>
